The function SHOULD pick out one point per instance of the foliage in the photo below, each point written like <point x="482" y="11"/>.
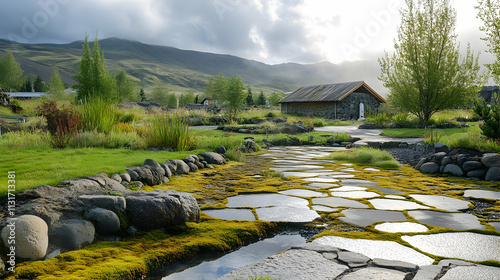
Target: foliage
<point x="488" y="13"/>
<point x="22" y="139"/>
<point x="261" y="100"/>
<point x="142" y="95"/>
<point x="186" y="98"/>
<point x="275" y="97"/>
<point x="113" y="140"/>
<point x="98" y="114"/>
<point x="61" y="122"/>
<point x="215" y="88"/>
<point x="401" y="118"/>
<point x="235" y="96"/>
<point x="491" y="116"/>
<point x="367" y="156"/>
<point x="93" y="79"/>
<point x="470" y="141"/>
<point x="56" y="86"/>
<point x="169" y="131"/>
<point x="39" y="84"/>
<point x="249" y="96"/>
<point x="125" y="87"/>
<point x="11" y="78"/>
<point x="162" y="95"/>
<point x="27" y="85"/>
<point x="425" y="74"/>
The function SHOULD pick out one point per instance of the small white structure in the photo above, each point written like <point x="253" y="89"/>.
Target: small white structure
<point x="361" y="112"/>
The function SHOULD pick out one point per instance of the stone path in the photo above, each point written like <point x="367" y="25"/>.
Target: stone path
<point x="363" y="203"/>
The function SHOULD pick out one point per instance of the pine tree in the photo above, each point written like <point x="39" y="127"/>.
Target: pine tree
<point x="84" y="77"/>
<point x="56" y="86"/>
<point x="10" y="73"/>
<point x="142" y="95"/>
<point x="27" y="86"/>
<point x="39" y="84"/>
<point x="249" y="96"/>
<point x="261" y="101"/>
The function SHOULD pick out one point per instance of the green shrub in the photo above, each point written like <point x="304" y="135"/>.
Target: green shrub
<point x="114" y="140"/>
<point x="341" y="136"/>
<point x="367" y="156"/>
<point x="491" y="116"/>
<point x="169" y="131"/>
<point x="401" y="118"/>
<point x="471" y="141"/>
<point x="98" y="114"/>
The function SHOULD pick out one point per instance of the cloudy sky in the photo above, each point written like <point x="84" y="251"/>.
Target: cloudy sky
<point x="271" y="31"/>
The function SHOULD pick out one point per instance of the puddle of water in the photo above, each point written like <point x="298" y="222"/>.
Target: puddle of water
<point x="442" y="202"/>
<point x="401" y="227"/>
<point x="495" y="225"/>
<point x="213" y="269"/>
<point x="394" y="204"/>
<point x="355" y="194"/>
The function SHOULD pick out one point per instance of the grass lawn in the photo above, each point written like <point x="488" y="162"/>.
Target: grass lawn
<point x="421" y="132"/>
<point x="35" y="166"/>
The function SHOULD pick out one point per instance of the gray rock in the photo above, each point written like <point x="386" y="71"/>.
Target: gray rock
<point x="213" y="158"/>
<point x="440" y="147"/>
<point x="429" y="168"/>
<point x="320" y="248"/>
<point x="72" y="234"/>
<point x="375" y="145"/>
<point x="171" y="166"/>
<point x="168" y="172"/>
<point x="147" y="175"/>
<point x="134" y="176"/>
<point x="446" y="160"/>
<point x="461" y="159"/>
<point x="438" y="157"/>
<point x="428" y="272"/>
<point x="398" y="265"/>
<point x="189" y="159"/>
<point x="478" y="173"/>
<point x="162" y="209"/>
<point x="471" y="165"/>
<point x="403" y="146"/>
<point x="199" y="164"/>
<point x="420" y="163"/>
<point x="181" y="166"/>
<point x="107" y="222"/>
<point x="390" y="144"/>
<point x="126" y="177"/>
<point x="116" y="177"/>
<point x="221" y="150"/>
<point x="352" y="259"/>
<point x="111" y="202"/>
<point x="375" y="273"/>
<point x="192" y="167"/>
<point x="453" y="169"/>
<point x="491" y="160"/>
<point x="31" y="236"/>
<point x="493" y="174"/>
<point x="420" y="148"/>
<point x="430" y="148"/>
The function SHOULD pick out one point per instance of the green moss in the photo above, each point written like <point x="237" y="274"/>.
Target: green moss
<point x="367" y="156"/>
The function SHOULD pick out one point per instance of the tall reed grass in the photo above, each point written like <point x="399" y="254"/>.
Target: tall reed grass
<point x="99" y="115"/>
<point x="169" y="131"/>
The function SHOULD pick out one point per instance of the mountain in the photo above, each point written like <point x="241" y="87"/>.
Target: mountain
<point x="183" y="68"/>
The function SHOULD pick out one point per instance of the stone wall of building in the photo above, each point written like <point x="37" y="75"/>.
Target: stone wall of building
<point x="345" y="109"/>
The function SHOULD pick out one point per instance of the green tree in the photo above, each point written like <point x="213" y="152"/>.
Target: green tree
<point x="142" y="95"/>
<point x="27" y="85"/>
<point x="39" y="84"/>
<point x="275" y="97"/>
<point x="56" y="86"/>
<point x="489" y="13"/>
<point x="261" y="100"/>
<point x="10" y="73"/>
<point x="215" y="88"/>
<point x="160" y="94"/>
<point x="93" y="78"/>
<point x="125" y="87"/>
<point x="426" y="73"/>
<point x="249" y="96"/>
<point x="235" y="95"/>
<point x="186" y="98"/>
<point x="171" y="100"/>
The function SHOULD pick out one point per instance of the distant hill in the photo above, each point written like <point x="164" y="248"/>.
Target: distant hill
<point x="183" y="68"/>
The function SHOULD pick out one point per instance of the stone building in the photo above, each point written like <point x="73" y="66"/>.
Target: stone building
<point x="336" y="101"/>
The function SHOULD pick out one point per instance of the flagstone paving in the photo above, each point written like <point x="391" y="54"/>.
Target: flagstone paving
<point x="346" y="192"/>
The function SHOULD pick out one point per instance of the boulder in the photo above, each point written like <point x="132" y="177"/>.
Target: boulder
<point x="221" y="150"/>
<point x="162" y="209"/>
<point x="110" y="202"/>
<point x="491" y="160"/>
<point x="181" y="166"/>
<point x="471" y="165"/>
<point x="430" y="148"/>
<point x="168" y="172"/>
<point x="420" y="148"/>
<point x="192" y="167"/>
<point x="116" y="177"/>
<point x="125" y="177"/>
<point x="453" y="169"/>
<point x="155" y="167"/>
<point x="461" y="159"/>
<point x="440" y="147"/>
<point x="106" y="221"/>
<point x="146" y="175"/>
<point x="213" y="158"/>
<point x="429" y="168"/>
<point x="171" y="166"/>
<point x="31" y="236"/>
<point x="72" y="234"/>
<point x="420" y="163"/>
<point x="446" y="160"/>
<point x="478" y="173"/>
<point x="438" y="157"/>
<point x="375" y="145"/>
<point x="493" y="174"/>
<point x="189" y="159"/>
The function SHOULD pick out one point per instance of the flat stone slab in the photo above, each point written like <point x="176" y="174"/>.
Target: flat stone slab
<point x="391" y="196"/>
<point x="401" y="227"/>
<point x="301" y="174"/>
<point x="482" y="194"/>
<point x="353" y="259"/>
<point x="461" y="245"/>
<point x="284" y="266"/>
<point x="342" y="175"/>
<point x="338" y="202"/>
<point x="320" y="185"/>
<point x="472" y="272"/>
<point x="265" y="200"/>
<point x="355" y="194"/>
<point x="442" y="202"/>
<point x="285" y="213"/>
<point x="373" y="249"/>
<point x="303" y="193"/>
<point x="448" y="220"/>
<point x="364" y="217"/>
<point x="324" y="208"/>
<point x="495" y="225"/>
<point x="349" y="189"/>
<point x="401" y="266"/>
<point x="321" y="179"/>
<point x="358" y="183"/>
<point x="395" y="204"/>
<point x="387" y="190"/>
<point x="231" y="214"/>
<point x="375" y="273"/>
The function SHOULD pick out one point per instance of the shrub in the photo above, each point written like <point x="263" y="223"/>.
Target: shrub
<point x="491" y="116"/>
<point x="341" y="136"/>
<point x="401" y="118"/>
<point x="367" y="156"/>
<point x="61" y="122"/>
<point x="98" y="114"/>
<point x="169" y="131"/>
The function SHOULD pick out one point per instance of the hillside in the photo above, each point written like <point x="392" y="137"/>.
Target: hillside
<point x="184" y="68"/>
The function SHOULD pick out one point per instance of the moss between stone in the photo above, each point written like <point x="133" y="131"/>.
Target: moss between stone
<point x="136" y="256"/>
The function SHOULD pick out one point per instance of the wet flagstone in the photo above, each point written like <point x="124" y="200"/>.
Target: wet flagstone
<point x="348" y="189"/>
<point x="395" y="204"/>
<point x="472" y="272"/>
<point x="442" y="202"/>
<point x="321" y="179"/>
<point x="338" y="202"/>
<point x="265" y="200"/>
<point x="320" y="185"/>
<point x="387" y="190"/>
<point x="495" y="225"/>
<point x="301" y="174"/>
<point x="457" y="221"/>
<point x="286" y="213"/>
<point x="303" y="193"/>
<point x="394" y="196"/>
<point x="355" y="194"/>
<point x="358" y="183"/>
<point x="324" y="208"/>
<point x="482" y="194"/>
<point x="462" y="245"/>
<point x="401" y="227"/>
<point x="231" y="214"/>
<point x="364" y="217"/>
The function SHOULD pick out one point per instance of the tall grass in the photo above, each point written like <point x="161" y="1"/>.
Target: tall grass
<point x="113" y="140"/>
<point x="169" y="131"/>
<point x="471" y="141"/>
<point x="98" y="115"/>
<point x="23" y="139"/>
<point x="367" y="156"/>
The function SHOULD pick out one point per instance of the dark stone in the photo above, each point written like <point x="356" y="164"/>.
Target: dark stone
<point x="478" y="173"/>
<point x="461" y="159"/>
<point x="375" y="145"/>
<point x="192" y="167"/>
<point x="397" y="265"/>
<point x="438" y="157"/>
<point x="107" y="222"/>
<point x="453" y="169"/>
<point x="429" y="168"/>
<point x="181" y="166"/>
<point x="168" y="172"/>
<point x="72" y="234"/>
<point x="493" y="174"/>
<point x="491" y="160"/>
<point x="213" y="158"/>
<point x="126" y="177"/>
<point x="390" y="144"/>
<point x="420" y="163"/>
<point x="221" y="150"/>
<point x="446" y="160"/>
<point x="440" y="147"/>
<point x="471" y="165"/>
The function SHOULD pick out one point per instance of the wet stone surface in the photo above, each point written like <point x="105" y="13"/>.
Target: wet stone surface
<point x="442" y="202"/>
<point x="364" y="217"/>
<point x="395" y="204"/>
<point x="401" y="227"/>
<point x="457" y="221"/>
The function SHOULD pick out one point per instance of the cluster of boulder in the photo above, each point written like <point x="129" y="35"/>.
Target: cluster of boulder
<point x="53" y="219"/>
<point x="297" y="128"/>
<point x="459" y="163"/>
